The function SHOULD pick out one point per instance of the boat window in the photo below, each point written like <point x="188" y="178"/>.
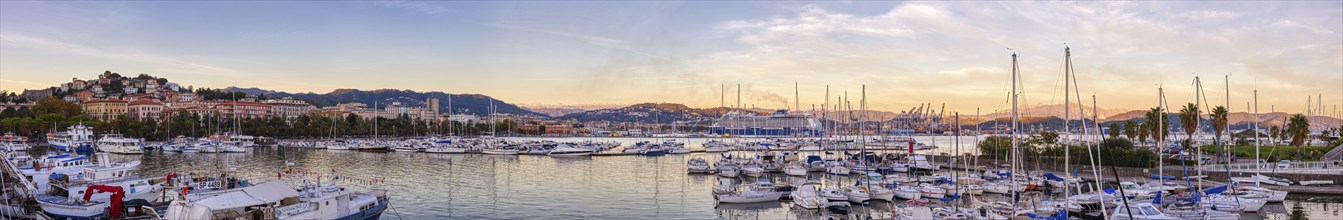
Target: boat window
<point x="1148" y="210"/>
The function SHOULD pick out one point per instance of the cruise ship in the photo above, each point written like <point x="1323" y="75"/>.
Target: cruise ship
<point x="779" y="123"/>
<point x="77" y="138"/>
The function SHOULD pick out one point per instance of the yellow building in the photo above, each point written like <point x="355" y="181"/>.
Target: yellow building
<point x="106" y="109"/>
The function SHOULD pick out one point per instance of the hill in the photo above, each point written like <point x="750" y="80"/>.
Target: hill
<point x="651" y="112"/>
<point x="461" y="103"/>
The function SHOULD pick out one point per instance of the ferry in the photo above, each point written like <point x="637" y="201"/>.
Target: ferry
<point x="78" y="138"/>
<point x="117" y="144"/>
<point x="779" y="123"/>
<point x="11" y="142"/>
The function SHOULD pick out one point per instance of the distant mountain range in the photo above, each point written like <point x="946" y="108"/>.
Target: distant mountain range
<point x="650" y="112"/>
<point x="461" y="103"/>
<point x="561" y="110"/>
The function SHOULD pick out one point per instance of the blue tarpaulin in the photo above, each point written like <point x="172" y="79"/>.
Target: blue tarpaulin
<point x="1214" y="191"/>
<point x="949" y="199"/>
<point x="1051" y="176"/>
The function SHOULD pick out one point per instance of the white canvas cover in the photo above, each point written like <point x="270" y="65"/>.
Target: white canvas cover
<point x="269" y="192"/>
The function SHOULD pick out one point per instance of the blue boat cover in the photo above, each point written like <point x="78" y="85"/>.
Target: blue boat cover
<point x="1056" y="216"/>
<point x="949" y="199"/>
<point x="1109" y="190"/>
<point x="1215" y="190"/>
<point x="1157" y="199"/>
<point x="1154" y="176"/>
<point x="945" y="180"/>
<point x="813" y="158"/>
<point x="1051" y="176"/>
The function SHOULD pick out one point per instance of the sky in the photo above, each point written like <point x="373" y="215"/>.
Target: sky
<point x="607" y="52"/>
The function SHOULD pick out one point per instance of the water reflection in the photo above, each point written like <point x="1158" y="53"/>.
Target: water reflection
<point x="471" y="186"/>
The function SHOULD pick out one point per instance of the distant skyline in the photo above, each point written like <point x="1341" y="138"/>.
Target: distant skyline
<point x="576" y="53"/>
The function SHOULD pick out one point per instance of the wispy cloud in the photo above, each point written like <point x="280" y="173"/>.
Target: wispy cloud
<point x="19" y="39"/>
<point x="953" y="51"/>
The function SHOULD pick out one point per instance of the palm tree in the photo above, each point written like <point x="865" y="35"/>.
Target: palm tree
<point x="1130" y="129"/>
<point x="1219" y="121"/>
<point x="1189" y="121"/>
<point x="1157" y="117"/>
<point x="1273" y="133"/>
<point x="1143" y="130"/>
<point x="1298" y="127"/>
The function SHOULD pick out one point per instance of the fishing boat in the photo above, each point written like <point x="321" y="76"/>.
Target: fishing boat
<point x="64" y="207"/>
<point x="63" y="199"/>
<point x="284" y="202"/>
<point x="566" y="150"/>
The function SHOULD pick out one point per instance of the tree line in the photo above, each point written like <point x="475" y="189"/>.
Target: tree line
<point x="53" y="115"/>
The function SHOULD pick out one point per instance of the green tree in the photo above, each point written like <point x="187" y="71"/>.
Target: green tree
<point x="51" y="104"/>
<point x="1189" y="117"/>
<point x="1298" y="127"/>
<point x="1219" y="122"/>
<point x="1130" y="129"/>
<point x="1158" y="124"/>
<point x="1143" y="130"/>
<point x="1273" y="133"/>
<point x="1114" y="130"/>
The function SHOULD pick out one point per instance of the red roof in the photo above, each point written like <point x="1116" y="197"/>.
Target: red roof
<point x="145" y="102"/>
<point x="106" y="100"/>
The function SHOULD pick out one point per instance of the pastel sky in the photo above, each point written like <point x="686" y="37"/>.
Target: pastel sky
<point x="547" y="52"/>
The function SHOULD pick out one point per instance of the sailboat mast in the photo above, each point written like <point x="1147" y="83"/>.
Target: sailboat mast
<point x="1067" y="73"/>
<point x="1198" y="151"/>
<point x="1160" y="127"/>
<point x="1013" y="131"/>
<point x="1257" y="166"/>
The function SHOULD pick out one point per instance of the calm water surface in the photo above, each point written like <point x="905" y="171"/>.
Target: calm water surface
<point x="471" y="186"/>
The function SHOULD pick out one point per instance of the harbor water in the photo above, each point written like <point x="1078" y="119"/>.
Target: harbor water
<point x="474" y="186"/>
